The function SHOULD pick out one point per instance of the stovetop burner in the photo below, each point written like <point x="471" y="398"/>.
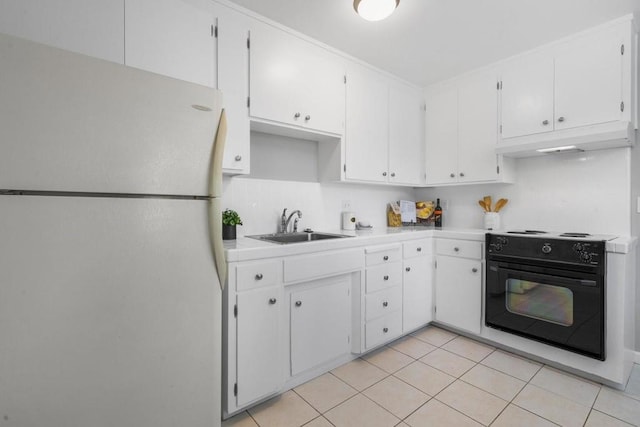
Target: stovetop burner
<point x="575" y="235"/>
<point x="526" y="232"/>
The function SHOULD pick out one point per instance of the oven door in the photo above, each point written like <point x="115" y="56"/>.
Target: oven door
<point x="559" y="307"/>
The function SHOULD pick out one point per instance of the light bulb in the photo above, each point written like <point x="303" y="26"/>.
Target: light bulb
<point x="375" y="10"/>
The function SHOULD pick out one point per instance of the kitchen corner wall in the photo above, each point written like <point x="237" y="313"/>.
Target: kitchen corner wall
<point x="260" y="202"/>
<point x="580" y="192"/>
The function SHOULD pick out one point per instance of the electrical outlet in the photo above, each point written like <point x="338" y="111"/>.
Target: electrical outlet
<point x="346" y="205"/>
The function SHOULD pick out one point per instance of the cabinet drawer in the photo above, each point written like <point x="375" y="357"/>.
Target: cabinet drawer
<point x="383" y="254"/>
<point x="257" y="274"/>
<point x="459" y="248"/>
<point x="417" y="248"/>
<point x="383" y="302"/>
<point x="383" y="276"/>
<point x="383" y="329"/>
<point x="313" y="266"/>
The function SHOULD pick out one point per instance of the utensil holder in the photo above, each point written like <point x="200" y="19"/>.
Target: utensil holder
<point x="491" y="220"/>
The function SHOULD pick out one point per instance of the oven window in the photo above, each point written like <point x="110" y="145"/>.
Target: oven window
<point x="539" y="301"/>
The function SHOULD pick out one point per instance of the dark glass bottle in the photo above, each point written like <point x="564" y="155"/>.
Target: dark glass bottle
<point x="437" y="214"/>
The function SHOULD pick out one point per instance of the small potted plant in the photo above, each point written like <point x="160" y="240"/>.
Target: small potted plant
<point x="230" y="219"/>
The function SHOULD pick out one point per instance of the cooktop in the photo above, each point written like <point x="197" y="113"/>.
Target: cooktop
<point x="557" y="234"/>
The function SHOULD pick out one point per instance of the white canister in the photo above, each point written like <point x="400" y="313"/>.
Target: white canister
<point x="491" y="220"/>
<point x="348" y="221"/>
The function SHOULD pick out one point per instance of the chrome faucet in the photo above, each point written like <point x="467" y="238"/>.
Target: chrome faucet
<point x="284" y="221"/>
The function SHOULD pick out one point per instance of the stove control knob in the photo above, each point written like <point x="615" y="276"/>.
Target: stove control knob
<point x="578" y="247"/>
<point x="502" y="240"/>
<point x="546" y="249"/>
<point x="585" y="257"/>
<point x="497" y="247"/>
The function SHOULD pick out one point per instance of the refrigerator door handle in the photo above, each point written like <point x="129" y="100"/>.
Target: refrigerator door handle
<point x="215" y="190"/>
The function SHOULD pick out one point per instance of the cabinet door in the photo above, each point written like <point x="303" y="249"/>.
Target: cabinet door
<point x="406" y="128"/>
<point x="320" y="322"/>
<point x="527" y="96"/>
<point x="174" y="38"/>
<point x="417" y="293"/>
<point x="588" y="85"/>
<point x="295" y="82"/>
<point x="367" y="125"/>
<point x="459" y="293"/>
<point x="233" y="81"/>
<point x="478" y="128"/>
<point x="258" y="344"/>
<point x="441" y="136"/>
<point x="90" y="27"/>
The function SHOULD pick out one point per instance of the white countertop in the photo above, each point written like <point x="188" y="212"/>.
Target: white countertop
<point x="245" y="249"/>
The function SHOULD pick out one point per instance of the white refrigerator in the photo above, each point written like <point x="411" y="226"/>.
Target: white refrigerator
<point x="111" y="258"/>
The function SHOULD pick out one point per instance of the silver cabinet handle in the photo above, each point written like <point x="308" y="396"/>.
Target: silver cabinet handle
<point x="545" y="122"/>
<point x="296" y="115"/>
<point x="272" y="301"/>
<point x="456" y="249"/>
<point x="419" y="249"/>
<point x="259" y="276"/>
<point x="393" y="174"/>
<point x="238" y="158"/>
<point x="461" y="173"/>
<point x="298" y="303"/>
<point x="561" y="119"/>
<point x="386" y="277"/>
<point x="384" y="174"/>
<point x="307" y="117"/>
<point x="475" y="270"/>
<point x="408" y="269"/>
<point x="453" y="175"/>
<point x="385" y="330"/>
<point x="385" y="304"/>
<point x="386" y="258"/>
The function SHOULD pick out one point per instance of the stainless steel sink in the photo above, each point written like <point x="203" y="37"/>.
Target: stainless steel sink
<point x="285" y="238"/>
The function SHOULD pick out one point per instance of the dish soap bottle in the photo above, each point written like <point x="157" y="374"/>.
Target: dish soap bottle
<point x="437" y="215"/>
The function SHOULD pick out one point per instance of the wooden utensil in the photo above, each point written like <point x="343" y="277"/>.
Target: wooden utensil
<point x="500" y="204"/>
<point x="482" y="205"/>
<point x="487" y="201"/>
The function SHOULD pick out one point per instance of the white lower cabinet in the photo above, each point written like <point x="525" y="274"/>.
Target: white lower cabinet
<point x="459" y="284"/>
<point x="320" y="317"/>
<point x="417" y="284"/>
<point x="258" y="344"/>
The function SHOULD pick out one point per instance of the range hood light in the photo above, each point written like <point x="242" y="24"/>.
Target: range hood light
<point x="375" y="10"/>
<point x="556" y="149"/>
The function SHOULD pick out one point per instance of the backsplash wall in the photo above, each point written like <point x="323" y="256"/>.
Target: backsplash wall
<point x="580" y="192"/>
<point x="260" y="202"/>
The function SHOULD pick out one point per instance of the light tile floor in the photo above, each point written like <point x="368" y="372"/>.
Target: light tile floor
<point x="437" y="378"/>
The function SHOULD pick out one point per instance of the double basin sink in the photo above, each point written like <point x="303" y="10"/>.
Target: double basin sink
<point x="285" y="238"/>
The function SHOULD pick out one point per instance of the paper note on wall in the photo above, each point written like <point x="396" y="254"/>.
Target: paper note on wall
<point x="408" y="211"/>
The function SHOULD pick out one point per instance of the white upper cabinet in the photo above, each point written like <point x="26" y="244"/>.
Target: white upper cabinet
<point x="406" y="129"/>
<point x="233" y="81"/>
<point x="575" y="92"/>
<point x="384" y="125"/>
<point x="527" y="96"/>
<point x="367" y="125"/>
<point x="294" y="82"/>
<point x="462" y="132"/>
<point x="175" y="38"/>
<point x="90" y="27"/>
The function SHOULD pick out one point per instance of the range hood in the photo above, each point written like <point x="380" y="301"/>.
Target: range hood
<point x="593" y="137"/>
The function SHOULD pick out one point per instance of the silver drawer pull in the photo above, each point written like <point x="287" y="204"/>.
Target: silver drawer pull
<point x="386" y="258"/>
<point x="419" y="249"/>
<point x="386" y="277"/>
<point x="238" y="158"/>
<point x="408" y="269"/>
<point x="296" y="115"/>
<point x="259" y="276"/>
<point x="456" y="249"/>
<point x="272" y="301"/>
<point x="385" y="330"/>
<point x="475" y="270"/>
<point x="298" y="303"/>
<point x="385" y="304"/>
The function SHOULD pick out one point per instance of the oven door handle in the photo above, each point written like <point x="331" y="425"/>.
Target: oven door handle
<point x="568" y="282"/>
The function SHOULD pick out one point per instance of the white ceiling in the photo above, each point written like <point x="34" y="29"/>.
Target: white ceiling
<point x="426" y="41"/>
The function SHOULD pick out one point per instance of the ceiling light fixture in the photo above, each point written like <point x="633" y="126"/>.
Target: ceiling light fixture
<point x="375" y="10"/>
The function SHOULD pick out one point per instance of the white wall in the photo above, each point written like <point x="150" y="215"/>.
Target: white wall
<point x="581" y="192"/>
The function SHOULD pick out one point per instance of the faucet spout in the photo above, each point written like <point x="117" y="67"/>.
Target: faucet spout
<point x="285" y="225"/>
